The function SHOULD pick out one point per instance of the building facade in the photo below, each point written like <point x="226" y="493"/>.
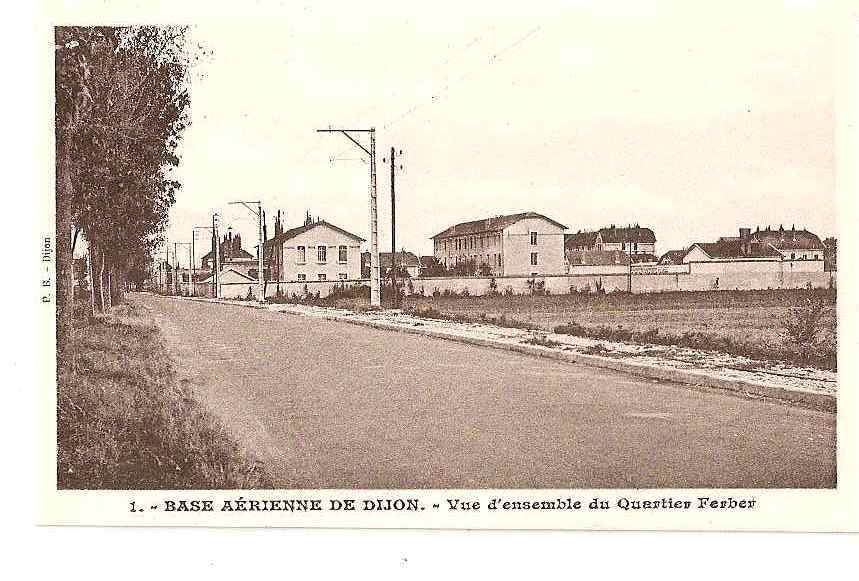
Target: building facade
<point x="527" y="244"/>
<point x="632" y="239"/>
<point x="318" y="251"/>
<point x="777" y="251"/>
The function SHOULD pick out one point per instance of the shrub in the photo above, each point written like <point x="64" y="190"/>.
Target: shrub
<point x="493" y="288"/>
<point x="508" y="291"/>
<point x="571" y="328"/>
<point x="250" y="295"/>
<point x="541" y="339"/>
<point x="804" y="324"/>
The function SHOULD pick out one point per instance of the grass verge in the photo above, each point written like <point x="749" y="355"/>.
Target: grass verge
<point x="125" y="422"/>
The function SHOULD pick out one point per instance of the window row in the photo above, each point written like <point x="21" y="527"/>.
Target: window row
<point x="322" y="277"/>
<point x="321" y="254"/>
<point x="471" y="242"/>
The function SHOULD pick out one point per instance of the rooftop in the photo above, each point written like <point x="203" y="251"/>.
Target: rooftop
<point x="492" y="224"/>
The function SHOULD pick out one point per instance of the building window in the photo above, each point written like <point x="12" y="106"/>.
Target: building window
<point x="534" y="259"/>
<point x="253" y="273"/>
<point x="302" y="254"/>
<point x="321" y="254"/>
<point x="302" y="277"/>
<point x="343" y="276"/>
<point x="341" y="254"/>
<point x="533" y="238"/>
<point x="322" y="276"/>
<point x="792" y="255"/>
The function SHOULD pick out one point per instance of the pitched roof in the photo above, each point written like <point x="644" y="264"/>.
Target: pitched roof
<point x="403" y="258"/>
<point x="789" y="239"/>
<point x="581" y="239"/>
<point x="293" y="232"/>
<point x="638" y="234"/>
<point x="672" y="257"/>
<point x="735" y="249"/>
<point x="492" y="224"/>
<point x="234" y="254"/>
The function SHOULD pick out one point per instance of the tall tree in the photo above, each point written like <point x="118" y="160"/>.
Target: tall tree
<point x="117" y="151"/>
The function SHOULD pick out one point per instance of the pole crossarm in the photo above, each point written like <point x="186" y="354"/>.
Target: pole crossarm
<point x="375" y="285"/>
<point x="245" y="204"/>
<point x="346" y="133"/>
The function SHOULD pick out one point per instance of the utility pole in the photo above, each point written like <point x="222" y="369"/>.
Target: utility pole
<point x="191" y="268"/>
<point x="216" y="280"/>
<point x="193" y="262"/>
<point x="260" y="272"/>
<point x="176" y="268"/>
<point x="396" y="294"/>
<point x="393" y="162"/>
<point x="375" y="298"/>
<point x="194" y="251"/>
<point x="166" y="265"/>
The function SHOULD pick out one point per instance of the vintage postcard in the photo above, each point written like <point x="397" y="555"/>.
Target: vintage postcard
<point x="540" y="267"/>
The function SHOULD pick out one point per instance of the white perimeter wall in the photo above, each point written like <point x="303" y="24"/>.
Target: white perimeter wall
<point x="751" y="275"/>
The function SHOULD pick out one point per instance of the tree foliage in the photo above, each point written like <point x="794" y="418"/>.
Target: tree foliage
<point x="122" y="105"/>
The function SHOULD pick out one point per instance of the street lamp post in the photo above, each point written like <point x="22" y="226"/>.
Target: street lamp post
<point x="260" y="249"/>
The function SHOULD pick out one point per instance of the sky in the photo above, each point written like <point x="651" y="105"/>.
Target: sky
<point x="690" y="121"/>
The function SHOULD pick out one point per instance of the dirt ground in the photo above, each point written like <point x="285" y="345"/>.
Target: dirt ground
<point x="751" y="317"/>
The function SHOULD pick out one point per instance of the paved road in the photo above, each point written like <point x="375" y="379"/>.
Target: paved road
<point x="335" y="405"/>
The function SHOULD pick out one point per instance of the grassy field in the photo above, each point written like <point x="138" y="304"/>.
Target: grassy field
<point x="124" y="422"/>
<point x="749" y="323"/>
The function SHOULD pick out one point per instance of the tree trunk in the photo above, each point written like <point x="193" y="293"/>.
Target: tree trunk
<point x="65" y="281"/>
<point x="107" y="295"/>
<point x="101" y="301"/>
<point x="91" y="280"/>
<point x="116" y="287"/>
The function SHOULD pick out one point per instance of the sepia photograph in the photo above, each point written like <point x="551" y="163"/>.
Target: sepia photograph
<point x="556" y="249"/>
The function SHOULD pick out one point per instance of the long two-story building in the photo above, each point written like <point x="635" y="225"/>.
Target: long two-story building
<point x="524" y="244"/>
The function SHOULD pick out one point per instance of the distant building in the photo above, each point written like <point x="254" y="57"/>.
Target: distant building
<point x="407" y="263"/>
<point x="233" y="256"/>
<point x="632" y="239"/>
<point x="316" y="251"/>
<point x="527" y="244"/>
<point x="800" y="250"/>
<point x="793" y="244"/>
<point x="672" y="257"/>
